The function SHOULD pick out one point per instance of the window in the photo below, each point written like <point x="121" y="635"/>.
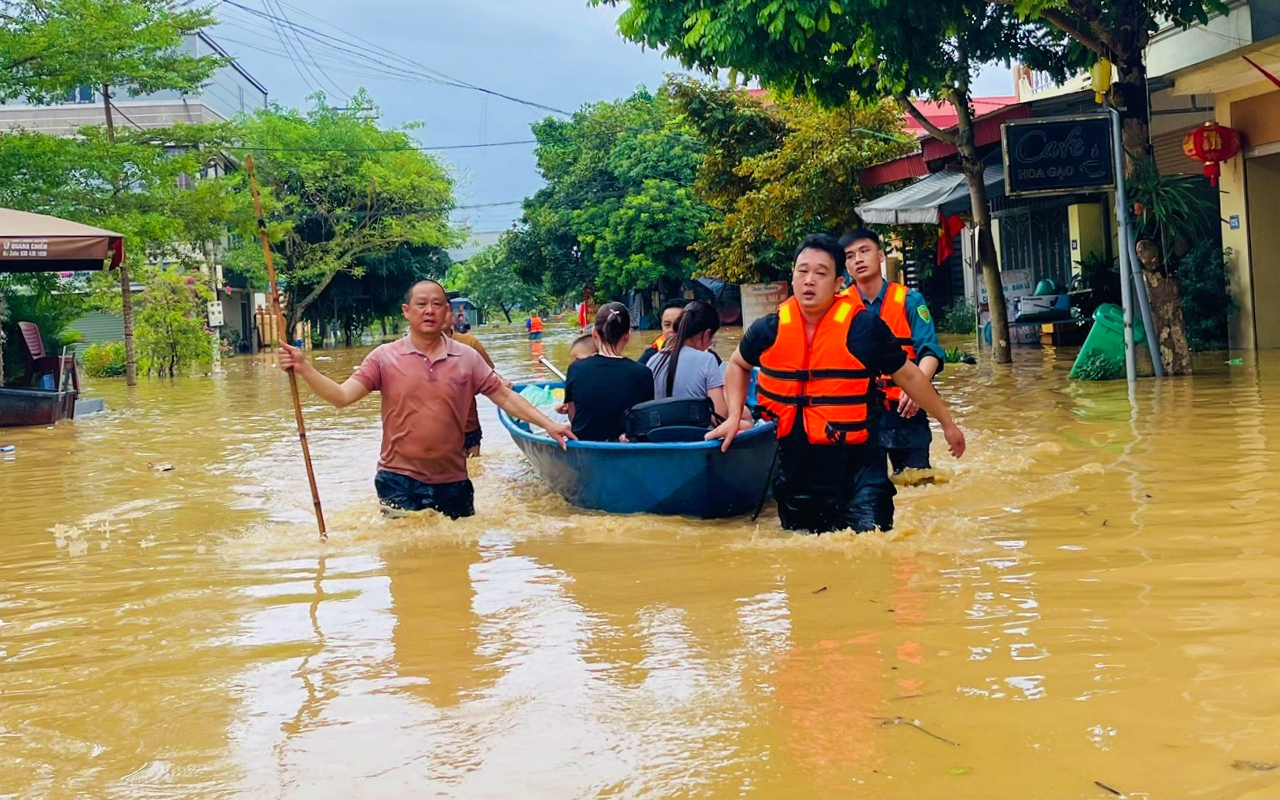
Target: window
<point x="80" y="94"/>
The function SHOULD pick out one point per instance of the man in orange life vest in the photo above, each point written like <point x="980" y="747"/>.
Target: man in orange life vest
<point x="904" y="430"/>
<point x="534" y="326"/>
<point x="671" y="311"/>
<point x="819" y="357"/>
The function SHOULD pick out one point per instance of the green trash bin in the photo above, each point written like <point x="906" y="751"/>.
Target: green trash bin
<point x="1102" y="356"/>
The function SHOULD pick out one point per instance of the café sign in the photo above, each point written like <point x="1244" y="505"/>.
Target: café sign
<point x="1058" y="155"/>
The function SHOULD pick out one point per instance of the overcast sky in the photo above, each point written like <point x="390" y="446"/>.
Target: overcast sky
<point x="559" y="53"/>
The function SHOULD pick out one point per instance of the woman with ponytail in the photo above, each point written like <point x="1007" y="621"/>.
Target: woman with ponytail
<point x="600" y="389"/>
<point x="685" y="368"/>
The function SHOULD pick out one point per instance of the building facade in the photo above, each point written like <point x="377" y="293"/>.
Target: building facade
<point x="1235" y="63"/>
<point x="231" y="91"/>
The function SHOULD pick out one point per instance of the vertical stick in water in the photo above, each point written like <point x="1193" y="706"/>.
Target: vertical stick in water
<point x="1126" y="252"/>
<point x="283" y="335"/>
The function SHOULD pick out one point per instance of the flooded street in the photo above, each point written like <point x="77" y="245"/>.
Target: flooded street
<point x="1087" y="598"/>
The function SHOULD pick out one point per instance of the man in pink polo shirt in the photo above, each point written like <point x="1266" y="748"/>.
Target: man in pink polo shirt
<point x="427" y="382"/>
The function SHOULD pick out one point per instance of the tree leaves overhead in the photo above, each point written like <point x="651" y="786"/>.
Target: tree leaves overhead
<point x="776" y="172"/>
<point x="618" y="212"/>
<point x="826" y="49"/>
<point x="337" y="189"/>
<point x="50" y="47"/>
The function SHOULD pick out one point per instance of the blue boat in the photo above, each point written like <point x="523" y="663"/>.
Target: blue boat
<point x="691" y="479"/>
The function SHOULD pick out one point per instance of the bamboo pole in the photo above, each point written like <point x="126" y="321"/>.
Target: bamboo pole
<point x="282" y="337"/>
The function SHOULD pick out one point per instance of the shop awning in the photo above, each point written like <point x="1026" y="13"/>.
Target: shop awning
<point x="40" y="243"/>
<point x="930" y="199"/>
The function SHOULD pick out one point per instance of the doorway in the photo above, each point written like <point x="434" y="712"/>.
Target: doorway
<point x="1262" y="178"/>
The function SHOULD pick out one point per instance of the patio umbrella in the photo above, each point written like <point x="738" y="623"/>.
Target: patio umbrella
<point x="40" y="243"/>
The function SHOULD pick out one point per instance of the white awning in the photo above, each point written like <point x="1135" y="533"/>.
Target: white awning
<point x="929" y="199"/>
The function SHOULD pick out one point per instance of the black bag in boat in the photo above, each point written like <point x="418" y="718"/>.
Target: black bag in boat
<point x="670" y="420"/>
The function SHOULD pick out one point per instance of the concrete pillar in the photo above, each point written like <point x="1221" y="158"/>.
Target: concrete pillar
<point x="1235" y="235"/>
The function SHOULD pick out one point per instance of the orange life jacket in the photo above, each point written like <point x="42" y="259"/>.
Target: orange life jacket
<point x="658" y="343"/>
<point x="535" y="325"/>
<point x="818" y="381"/>
<point x="894" y="313"/>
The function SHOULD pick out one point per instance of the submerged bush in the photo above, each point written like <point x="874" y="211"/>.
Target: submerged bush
<point x="959" y="317"/>
<point x="1205" y="292"/>
<point x="103" y="360"/>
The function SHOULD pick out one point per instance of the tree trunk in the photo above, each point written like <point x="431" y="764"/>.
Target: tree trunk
<point x="1166" y="310"/>
<point x="1135" y="132"/>
<point x="1001" y="351"/>
<point x="126" y="291"/>
<point x="974" y="172"/>
<point x="126" y="317"/>
<point x="506" y="312"/>
<point x="106" y="107"/>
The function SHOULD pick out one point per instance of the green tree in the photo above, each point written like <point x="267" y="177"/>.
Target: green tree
<point x="1121" y="31"/>
<point x="489" y="281"/>
<point x="53" y="47"/>
<point x="131" y="186"/>
<point x="349" y="305"/>
<point x="171" y="322"/>
<point x="337" y="189"/>
<point x="774" y="172"/>
<point x="618" y="212"/>
<point x="829" y="49"/>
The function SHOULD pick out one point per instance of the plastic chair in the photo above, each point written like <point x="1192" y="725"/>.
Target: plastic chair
<point x="40" y="362"/>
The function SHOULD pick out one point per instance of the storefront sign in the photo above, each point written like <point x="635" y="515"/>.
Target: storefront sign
<point x="759" y="299"/>
<point x="1058" y="155"/>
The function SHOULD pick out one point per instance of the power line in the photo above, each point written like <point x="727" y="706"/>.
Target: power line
<point x="420" y="148"/>
<point x="300" y="43"/>
<point x="293" y="59"/>
<point x="425" y="73"/>
<point x="348" y="68"/>
<point x="360" y="54"/>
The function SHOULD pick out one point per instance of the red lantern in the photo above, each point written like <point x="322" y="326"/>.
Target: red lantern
<point x="1211" y="143"/>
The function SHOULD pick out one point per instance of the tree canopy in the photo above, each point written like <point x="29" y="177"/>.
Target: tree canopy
<point x="777" y="170"/>
<point x="337" y="189"/>
<point x="832" y="49"/>
<point x="489" y="281"/>
<point x="49" y="48"/>
<point x="356" y="299"/>
<point x="618" y="212"/>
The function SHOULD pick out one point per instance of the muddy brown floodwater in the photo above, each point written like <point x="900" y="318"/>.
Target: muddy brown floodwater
<point x="1088" y="598"/>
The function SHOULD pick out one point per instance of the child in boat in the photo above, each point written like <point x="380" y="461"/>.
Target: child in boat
<point x="601" y="388"/>
<point x="583" y="347"/>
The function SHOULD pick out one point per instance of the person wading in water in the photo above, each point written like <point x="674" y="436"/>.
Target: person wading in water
<point x="819" y="357"/>
<point x="473" y="432"/>
<point x="904" y="430"/>
<point x="427" y="381"/>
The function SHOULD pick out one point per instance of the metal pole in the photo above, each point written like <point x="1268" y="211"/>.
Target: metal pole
<point x="1126" y="252"/>
<point x="1129" y="244"/>
<point x="543" y="360"/>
